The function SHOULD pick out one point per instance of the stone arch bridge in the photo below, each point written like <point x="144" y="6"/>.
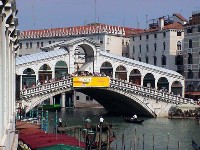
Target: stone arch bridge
<point x="136" y="87"/>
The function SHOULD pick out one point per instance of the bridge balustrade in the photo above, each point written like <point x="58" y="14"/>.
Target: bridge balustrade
<point x="46" y="88"/>
<point x="150" y="92"/>
<point x="114" y="83"/>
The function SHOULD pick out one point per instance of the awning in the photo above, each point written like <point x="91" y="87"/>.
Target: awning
<point x="192" y="93"/>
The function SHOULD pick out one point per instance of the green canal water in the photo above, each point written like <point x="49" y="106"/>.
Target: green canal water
<point x="153" y="134"/>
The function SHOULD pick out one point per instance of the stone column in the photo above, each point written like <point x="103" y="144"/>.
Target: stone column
<point x="63" y="100"/>
<point x="71" y="60"/>
<point x="183" y="88"/>
<point x="156" y="83"/>
<point x="96" y="60"/>
<point x="1" y="74"/>
<point x="51" y="101"/>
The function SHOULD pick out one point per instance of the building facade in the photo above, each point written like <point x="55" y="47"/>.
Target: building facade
<point x="192" y="56"/>
<point x="8" y="47"/>
<point x="113" y="39"/>
<point x="162" y="44"/>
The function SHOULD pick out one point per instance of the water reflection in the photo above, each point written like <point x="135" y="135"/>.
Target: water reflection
<point x="155" y="133"/>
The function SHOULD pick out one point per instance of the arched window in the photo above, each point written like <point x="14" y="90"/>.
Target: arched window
<point x="155" y="60"/>
<point x="140" y="48"/>
<point x="163" y="60"/>
<point x="190" y="43"/>
<point x="139" y="59"/>
<point x="155" y="46"/>
<point x="164" y="46"/>
<point x="178" y="45"/>
<point x="133" y="48"/>
<point x="189" y="58"/>
<point x="147" y="47"/>
<point x="147" y="59"/>
<point x="190" y="74"/>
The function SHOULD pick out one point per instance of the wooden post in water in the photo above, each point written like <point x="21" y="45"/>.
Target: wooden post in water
<point x="135" y="140"/>
<point x="131" y="145"/>
<point x="153" y="142"/>
<point x="108" y="139"/>
<point x="100" y="136"/>
<point x="138" y="144"/>
<point x="178" y="145"/>
<point x="143" y="142"/>
<point x="115" y="145"/>
<point x="168" y="141"/>
<point x="123" y="142"/>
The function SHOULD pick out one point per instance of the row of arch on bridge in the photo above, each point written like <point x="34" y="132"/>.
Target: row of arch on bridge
<point x="29" y="76"/>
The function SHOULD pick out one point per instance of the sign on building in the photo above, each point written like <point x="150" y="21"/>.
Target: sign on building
<point x="88" y="81"/>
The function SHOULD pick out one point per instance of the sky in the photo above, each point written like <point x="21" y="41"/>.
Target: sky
<point x="45" y="14"/>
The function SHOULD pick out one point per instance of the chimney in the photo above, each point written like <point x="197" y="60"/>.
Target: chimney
<point x="161" y="22"/>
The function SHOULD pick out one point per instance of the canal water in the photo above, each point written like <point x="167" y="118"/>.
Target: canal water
<point x="153" y="134"/>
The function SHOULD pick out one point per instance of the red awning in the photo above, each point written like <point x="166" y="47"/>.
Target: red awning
<point x="192" y="93"/>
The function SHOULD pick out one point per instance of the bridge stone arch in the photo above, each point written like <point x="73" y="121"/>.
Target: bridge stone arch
<point x="163" y="84"/>
<point x="60" y="69"/>
<point x="149" y="80"/>
<point x="135" y="76"/>
<point x="121" y="72"/>
<point x="45" y="73"/>
<point x="28" y="78"/>
<point x="106" y="68"/>
<point x="176" y="88"/>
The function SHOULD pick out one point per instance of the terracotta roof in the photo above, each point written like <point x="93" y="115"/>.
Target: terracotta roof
<point x="174" y="25"/>
<point x="180" y="17"/>
<point x="77" y="30"/>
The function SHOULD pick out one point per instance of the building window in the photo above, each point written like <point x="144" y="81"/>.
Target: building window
<point x="140" y="48"/>
<point x="155" y="36"/>
<point x="189" y="30"/>
<point x="190" y="43"/>
<point x="122" y="42"/>
<point x="30" y="44"/>
<point x="147" y="59"/>
<point x="198" y="29"/>
<point x="190" y="58"/>
<point x="49" y="42"/>
<point x="190" y="74"/>
<point x="164" y="34"/>
<point x="133" y="48"/>
<point x="101" y="40"/>
<point x="140" y="37"/>
<point x="155" y="60"/>
<point x="108" y="40"/>
<point x="199" y="73"/>
<point x="164" y="46"/>
<point x="27" y="44"/>
<point x="77" y="98"/>
<point x="163" y="60"/>
<point x="147" y="47"/>
<point x="133" y="38"/>
<point x="178" y="45"/>
<point x="155" y="46"/>
<point x="147" y="37"/>
<point x="139" y="59"/>
<point x="41" y="44"/>
<point x="20" y="45"/>
<point x="38" y="44"/>
<point x="178" y="33"/>
<point x="87" y="98"/>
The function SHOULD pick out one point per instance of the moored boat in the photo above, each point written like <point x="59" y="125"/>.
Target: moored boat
<point x="137" y="121"/>
<point x="195" y="145"/>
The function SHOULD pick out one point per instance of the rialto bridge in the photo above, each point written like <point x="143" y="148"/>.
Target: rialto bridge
<point x="134" y="87"/>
